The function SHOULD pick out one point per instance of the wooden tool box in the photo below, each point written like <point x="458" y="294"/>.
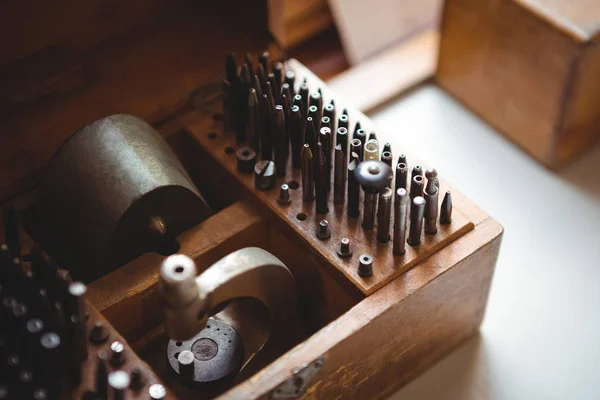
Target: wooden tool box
<point x="161" y="61"/>
<point x="529" y="68"/>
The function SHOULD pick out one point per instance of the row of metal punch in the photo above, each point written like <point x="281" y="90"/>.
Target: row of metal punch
<point x="273" y="115"/>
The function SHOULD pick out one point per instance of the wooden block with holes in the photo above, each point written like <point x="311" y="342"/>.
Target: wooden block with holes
<point x="529" y="68"/>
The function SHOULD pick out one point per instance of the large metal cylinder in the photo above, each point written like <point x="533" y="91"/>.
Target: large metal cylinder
<point x="114" y="191"/>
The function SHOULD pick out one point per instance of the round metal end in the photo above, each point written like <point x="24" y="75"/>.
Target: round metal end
<point x="431" y="173"/>
<point x="343" y="249"/>
<point x="77" y="289"/>
<point x="323" y="231"/>
<point x="373" y="175"/>
<point x="365" y="265"/>
<point x="119" y="380"/>
<point x="117" y="353"/>
<point x="284" y="195"/>
<point x="50" y="340"/>
<point x="178" y="280"/>
<point x="98" y="334"/>
<point x="157" y="392"/>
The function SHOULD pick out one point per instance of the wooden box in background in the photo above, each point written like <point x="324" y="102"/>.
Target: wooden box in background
<point x="528" y="67"/>
<point x="293" y="22"/>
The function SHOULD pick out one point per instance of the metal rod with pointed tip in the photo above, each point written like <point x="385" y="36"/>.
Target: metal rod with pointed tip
<point x="431" y="195"/>
<point x="313" y="112"/>
<point x="357" y="127"/>
<point x="340" y="176"/>
<point x="400" y="215"/>
<point x="372" y="136"/>
<point x="320" y="181"/>
<point x="361" y="135"/>
<point x="295" y="124"/>
<point x="290" y="78"/>
<point x="446" y="210"/>
<point x="310" y="134"/>
<point x="268" y="90"/>
<point x="387" y="147"/>
<point x="353" y="187"/>
<point x="402" y="159"/>
<point x="276" y="88"/>
<point x="101" y="376"/>
<point x="308" y="182"/>
<point x="316" y="100"/>
<point x="356" y="146"/>
<point x="325" y="122"/>
<point x="253" y="120"/>
<point x="226" y="101"/>
<point x="262" y="75"/>
<point x="329" y="111"/>
<point x="281" y="141"/>
<point x="263" y="60"/>
<point x="242" y="110"/>
<point x="266" y="143"/>
<point x="384" y="215"/>
<point x="257" y="86"/>
<point x="278" y="72"/>
<point x="416" y="221"/>
<point x="343" y="121"/>
<point x="249" y="63"/>
<point x="287" y="90"/>
<point x="325" y="139"/>
<point x="371" y="150"/>
<point x="303" y="91"/>
<point x="386" y="157"/>
<point x="342" y="139"/>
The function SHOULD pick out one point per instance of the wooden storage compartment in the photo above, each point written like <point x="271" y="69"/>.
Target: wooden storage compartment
<point x="359" y="338"/>
<point x="529" y="68"/>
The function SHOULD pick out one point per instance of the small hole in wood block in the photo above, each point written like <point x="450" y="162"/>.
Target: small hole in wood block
<point x="229" y="150"/>
<point x="293" y="185"/>
<point x="212" y="135"/>
<point x="178" y="344"/>
<point x="301" y="217"/>
<point x="176" y="355"/>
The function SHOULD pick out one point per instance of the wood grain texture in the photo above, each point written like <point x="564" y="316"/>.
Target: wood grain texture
<point x="386" y="265"/>
<point x="522" y="69"/>
<point x="394" y="335"/>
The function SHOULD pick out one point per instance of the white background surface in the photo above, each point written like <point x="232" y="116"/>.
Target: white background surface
<point x="541" y="335"/>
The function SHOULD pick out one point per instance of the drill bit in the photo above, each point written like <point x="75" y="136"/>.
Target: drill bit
<point x="384" y="215"/>
<point x="342" y="139"/>
<point x="242" y="109"/>
<point x="446" y="211"/>
<point x="353" y="187"/>
<point x="101" y="384"/>
<point x="339" y="181"/>
<point x="387" y="147"/>
<point x="295" y="124"/>
<point x="329" y="110"/>
<point x="278" y="73"/>
<point x="320" y="181"/>
<point x="281" y="141"/>
<point x="287" y="91"/>
<point x="253" y="120"/>
<point x="371" y="150"/>
<point x="308" y="183"/>
<point x="227" y="105"/>
<point x="257" y="86"/>
<point x="431" y="195"/>
<point x="400" y="214"/>
<point x="266" y="144"/>
<point x="416" y="221"/>
<point x="402" y="160"/>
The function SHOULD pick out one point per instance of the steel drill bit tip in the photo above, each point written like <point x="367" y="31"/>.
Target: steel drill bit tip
<point x="416" y="221"/>
<point x="400" y="215"/>
<point x="446" y="210"/>
<point x="308" y="184"/>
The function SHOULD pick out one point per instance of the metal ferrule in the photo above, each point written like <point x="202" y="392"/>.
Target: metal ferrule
<point x="400" y="215"/>
<point x="340" y="176"/>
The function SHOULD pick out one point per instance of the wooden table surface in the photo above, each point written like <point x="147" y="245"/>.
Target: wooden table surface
<point x="541" y="335"/>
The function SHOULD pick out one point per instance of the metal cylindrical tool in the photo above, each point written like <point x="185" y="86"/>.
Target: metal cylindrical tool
<point x="313" y="112"/>
<point x="384" y="215"/>
<point x="361" y="135"/>
<point x="342" y="139"/>
<point x="308" y="183"/>
<point x="446" y="211"/>
<point x="357" y="127"/>
<point x="101" y="385"/>
<point x="402" y="159"/>
<point x="431" y="195"/>
<point x="372" y="136"/>
<point x="266" y="141"/>
<point x="284" y="195"/>
<point x="387" y="147"/>
<point x="353" y="187"/>
<point x="323" y="231"/>
<point x="343" y="121"/>
<point x="416" y="186"/>
<point x="325" y="136"/>
<point x="185" y="361"/>
<point x="400" y="214"/>
<point x="416" y="221"/>
<point x="316" y="100"/>
<point x="290" y="78"/>
<point x="117" y="353"/>
<point x="401" y="175"/>
<point x="268" y="90"/>
<point x="373" y="177"/>
<point x="281" y="141"/>
<point x="344" y="250"/>
<point x="246" y="159"/>
<point x="295" y="127"/>
<point x="264" y="175"/>
<point x="278" y="72"/>
<point x="340" y="176"/>
<point x="303" y="91"/>
<point x="365" y="265"/>
<point x="417" y="170"/>
<point x="226" y="105"/>
<point x="321" y="176"/>
<point x="386" y="157"/>
<point x="118" y="382"/>
<point x="310" y="134"/>
<point x="262" y="75"/>
<point x="329" y="110"/>
<point x="325" y="122"/>
<point x="371" y="150"/>
<point x="253" y="120"/>
<point x="273" y="87"/>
